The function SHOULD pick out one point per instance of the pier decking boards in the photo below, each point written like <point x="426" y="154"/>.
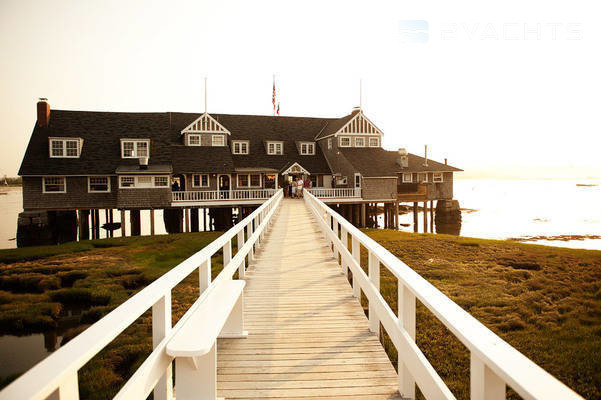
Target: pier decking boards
<point x="308" y="336"/>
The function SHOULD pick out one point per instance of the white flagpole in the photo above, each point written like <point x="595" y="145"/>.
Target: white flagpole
<point x="205" y="94"/>
<point x="360" y="93"/>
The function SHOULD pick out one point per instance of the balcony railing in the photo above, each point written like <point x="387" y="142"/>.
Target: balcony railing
<point x="328" y="193"/>
<point x="216" y="195"/>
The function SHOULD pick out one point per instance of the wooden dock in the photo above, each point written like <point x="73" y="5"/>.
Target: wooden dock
<point x="308" y="335"/>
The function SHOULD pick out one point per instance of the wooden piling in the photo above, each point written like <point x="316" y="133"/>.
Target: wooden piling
<point x="425" y="207"/>
<point x="97" y="225"/>
<point x="204" y="219"/>
<point x="134" y="220"/>
<point x="363" y="217"/>
<point x="432" y="216"/>
<point x="123" y="223"/>
<point x="151" y="222"/>
<point x="194" y="220"/>
<point x="396" y="215"/>
<point x="84" y="225"/>
<point x="415" y="220"/>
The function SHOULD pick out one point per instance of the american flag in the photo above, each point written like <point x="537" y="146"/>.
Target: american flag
<point x="278" y="111"/>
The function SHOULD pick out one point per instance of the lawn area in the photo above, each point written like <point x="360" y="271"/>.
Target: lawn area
<point x="544" y="301"/>
<point x="39" y="284"/>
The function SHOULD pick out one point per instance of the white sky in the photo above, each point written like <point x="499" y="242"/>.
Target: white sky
<point x="496" y="89"/>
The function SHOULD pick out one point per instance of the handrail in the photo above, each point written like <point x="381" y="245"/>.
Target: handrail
<point x="335" y="192"/>
<point x="210" y="195"/>
<point x="494" y="363"/>
<point x="58" y="372"/>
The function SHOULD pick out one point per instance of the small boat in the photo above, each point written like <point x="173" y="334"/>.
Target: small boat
<point x="586" y="184"/>
<point x="111" y="226"/>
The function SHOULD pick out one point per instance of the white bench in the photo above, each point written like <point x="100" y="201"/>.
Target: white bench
<point x="194" y="345"/>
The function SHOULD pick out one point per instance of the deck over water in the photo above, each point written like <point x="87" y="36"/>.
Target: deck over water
<point x="308" y="336"/>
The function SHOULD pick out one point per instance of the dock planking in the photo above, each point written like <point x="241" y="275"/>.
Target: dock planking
<point x="308" y="336"/>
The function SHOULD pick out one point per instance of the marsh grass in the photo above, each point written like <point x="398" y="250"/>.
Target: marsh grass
<point x="37" y="285"/>
<point x="544" y="301"/>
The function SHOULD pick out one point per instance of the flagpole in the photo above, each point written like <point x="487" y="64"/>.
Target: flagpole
<point x="205" y="94"/>
<point x="360" y="93"/>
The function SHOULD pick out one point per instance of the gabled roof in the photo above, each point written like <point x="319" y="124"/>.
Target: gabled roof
<point x="334" y="125"/>
<point x="294" y="168"/>
<point x="205" y="124"/>
<point x="377" y="162"/>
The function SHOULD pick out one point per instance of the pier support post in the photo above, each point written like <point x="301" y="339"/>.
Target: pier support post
<point x="93" y="224"/>
<point x="134" y="220"/>
<point x="186" y="220"/>
<point x="152" y="222"/>
<point x="194" y="220"/>
<point x="122" y="223"/>
<point x="97" y="227"/>
<point x="425" y="207"/>
<point x="415" y="221"/>
<point x="84" y="224"/>
<point x="396" y="215"/>
<point x="432" y="216"/>
<point x="362" y="215"/>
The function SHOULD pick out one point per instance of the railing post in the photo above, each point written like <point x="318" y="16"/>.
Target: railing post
<point x="373" y="270"/>
<point x="251" y="252"/>
<point x="67" y="390"/>
<point x="484" y="383"/>
<point x="344" y="238"/>
<point x="242" y="267"/>
<point x="204" y="275"/>
<point x="335" y="247"/>
<point x="227" y="253"/>
<point x="161" y="325"/>
<point x="357" y="256"/>
<point x="406" y="310"/>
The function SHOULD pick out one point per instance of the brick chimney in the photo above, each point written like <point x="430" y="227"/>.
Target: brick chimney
<point x="43" y="112"/>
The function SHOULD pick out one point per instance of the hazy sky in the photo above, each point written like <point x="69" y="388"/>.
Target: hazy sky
<point x="500" y="88"/>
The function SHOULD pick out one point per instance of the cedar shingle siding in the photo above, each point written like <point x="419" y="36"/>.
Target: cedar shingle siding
<point x="102" y="132"/>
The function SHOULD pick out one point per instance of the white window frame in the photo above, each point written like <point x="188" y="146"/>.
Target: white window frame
<point x="63" y="142"/>
<point x="249" y="181"/>
<point x="54" y="177"/>
<point x="330" y="144"/>
<point x="343" y="138"/>
<point x="438" y="177"/>
<point x="154" y="181"/>
<point x="138" y="185"/>
<point x="196" y="136"/>
<point x="423" y="175"/>
<point x="108" y="184"/>
<point x="215" y="142"/>
<point x="357" y="175"/>
<point x="360" y="139"/>
<point x="277" y="145"/>
<point x="310" y="148"/>
<point x="239" y="143"/>
<point x="135" y="149"/>
<point x="407" y="177"/>
<point x="377" y="144"/>
<point x="200" y="181"/>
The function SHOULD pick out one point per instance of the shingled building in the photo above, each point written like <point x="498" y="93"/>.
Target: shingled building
<point x="82" y="160"/>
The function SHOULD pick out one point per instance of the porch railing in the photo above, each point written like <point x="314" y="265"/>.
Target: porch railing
<point x="494" y="364"/>
<point x="214" y="195"/>
<point x="56" y="375"/>
<point x="325" y="193"/>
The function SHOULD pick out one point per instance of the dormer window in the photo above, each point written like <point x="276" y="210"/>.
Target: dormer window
<point x="135" y="148"/>
<point x="374" y="142"/>
<point x="65" y="148"/>
<point x="218" y="140"/>
<point x="345" y="141"/>
<point x="359" y="142"/>
<point x="307" y="149"/>
<point x="240" y="146"/>
<point x="275" y="148"/>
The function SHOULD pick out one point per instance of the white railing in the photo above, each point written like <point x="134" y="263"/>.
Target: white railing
<point x="494" y="363"/>
<point x="57" y="374"/>
<point x="324" y="193"/>
<point x="213" y="195"/>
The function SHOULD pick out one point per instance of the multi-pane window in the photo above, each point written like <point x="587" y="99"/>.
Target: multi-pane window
<point x="437" y="177"/>
<point x="274" y="148"/>
<point x="250" y="180"/>
<point x="65" y="148"/>
<point x="374" y="142"/>
<point x="407" y="178"/>
<point x="200" y="180"/>
<point x="422" y="177"/>
<point x="240" y="147"/>
<point x="359" y="142"/>
<point x="99" y="184"/>
<point x="193" y="140"/>
<point x="161" y="181"/>
<point x="127" y="182"/>
<point x="218" y="140"/>
<point x="307" y="149"/>
<point x="329" y="144"/>
<point x="345" y="141"/>
<point x="54" y="184"/>
<point x="357" y="180"/>
<point x="134" y="148"/>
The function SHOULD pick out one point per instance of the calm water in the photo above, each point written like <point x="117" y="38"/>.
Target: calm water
<point x="494" y="209"/>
